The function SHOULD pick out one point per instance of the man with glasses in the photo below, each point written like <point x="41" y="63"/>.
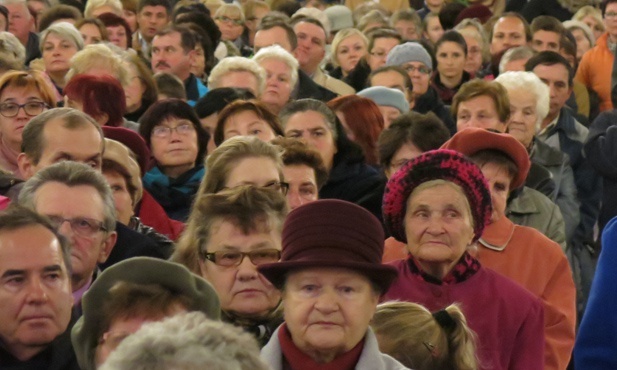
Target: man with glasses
<point x="173" y="51"/>
<point x="413" y="58"/>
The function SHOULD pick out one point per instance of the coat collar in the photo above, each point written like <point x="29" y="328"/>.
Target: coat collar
<point x="498" y="234"/>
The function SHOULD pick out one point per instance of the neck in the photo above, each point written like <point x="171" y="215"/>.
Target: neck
<point x="309" y="69"/>
<point x="451" y="82"/>
<point x="78" y="282"/>
<point x="25" y="353"/>
<point x="612" y="38"/>
<point x="176" y="171"/>
<point x="436" y="270"/>
<point x="549" y="118"/>
<point x="58" y="78"/>
<point x="321" y="356"/>
<point x="184" y="76"/>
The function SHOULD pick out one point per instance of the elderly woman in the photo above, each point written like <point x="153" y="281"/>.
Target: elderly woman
<point x="507" y="248"/>
<point x="477" y="45"/>
<point x="223" y="229"/>
<point x="583" y="35"/>
<point x="58" y="44"/>
<point x="178" y="144"/>
<point x="350" y="178"/>
<point x="281" y="76"/>
<point x="23" y="96"/>
<point x="349" y="47"/>
<point x="592" y="17"/>
<point x="247" y="118"/>
<point x="438" y="204"/>
<point x="451" y="55"/>
<point x="129" y="294"/>
<point x="363" y="122"/>
<point x="529" y="105"/>
<point x="331" y="277"/>
<point x="230" y="20"/>
<point x="240" y="73"/>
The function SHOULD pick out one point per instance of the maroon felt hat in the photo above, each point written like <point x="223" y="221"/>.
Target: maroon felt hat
<point x="438" y="164"/>
<point x="472" y="139"/>
<point x="332" y="233"/>
<point x="480" y="12"/>
<point x="133" y="141"/>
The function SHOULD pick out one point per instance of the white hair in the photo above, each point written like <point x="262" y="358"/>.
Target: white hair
<point x="514" y="54"/>
<point x="189" y="342"/>
<point x="277" y="52"/>
<point x="237" y="64"/>
<point x="65" y="31"/>
<point x="12" y="52"/>
<point x="531" y="84"/>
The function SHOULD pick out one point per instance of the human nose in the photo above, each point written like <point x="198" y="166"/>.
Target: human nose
<point x="294" y="199"/>
<point x="246" y="269"/>
<point x="327" y="301"/>
<point x="36" y="291"/>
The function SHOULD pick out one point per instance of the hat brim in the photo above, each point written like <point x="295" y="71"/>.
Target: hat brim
<point x="381" y="275"/>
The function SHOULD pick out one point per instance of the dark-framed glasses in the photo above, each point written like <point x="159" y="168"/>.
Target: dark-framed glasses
<point x="33" y="108"/>
<point x="165" y="131"/>
<point x="235" y="258"/>
<point x="82" y="226"/>
<point x="422" y="69"/>
<point x="281" y="186"/>
<point x="224" y="19"/>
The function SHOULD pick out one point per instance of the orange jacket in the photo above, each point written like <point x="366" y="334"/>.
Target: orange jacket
<point x="595" y="71"/>
<point x="539" y="264"/>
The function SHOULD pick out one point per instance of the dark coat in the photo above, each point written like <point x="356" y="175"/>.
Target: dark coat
<point x="307" y="88"/>
<point x="430" y="102"/>
<point x="133" y="244"/>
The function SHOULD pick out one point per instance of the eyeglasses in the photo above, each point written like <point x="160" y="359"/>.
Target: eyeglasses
<point x="33" y="108"/>
<point x="233" y="259"/>
<point x="82" y="226"/>
<point x="224" y="19"/>
<point x="281" y="186"/>
<point x="164" y="132"/>
<point x="421" y="69"/>
<point x="610" y="15"/>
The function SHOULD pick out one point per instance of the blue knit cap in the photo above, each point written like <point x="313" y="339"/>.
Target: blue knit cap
<point x="409" y="52"/>
<point x="386" y="96"/>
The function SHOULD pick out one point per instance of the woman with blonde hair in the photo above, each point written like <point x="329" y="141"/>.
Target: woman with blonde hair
<point x="422" y="340"/>
<point x="592" y="17"/>
<point x="349" y="47"/>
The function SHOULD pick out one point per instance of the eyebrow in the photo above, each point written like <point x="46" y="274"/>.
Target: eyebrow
<point x="252" y="247"/>
<point x="17" y="272"/>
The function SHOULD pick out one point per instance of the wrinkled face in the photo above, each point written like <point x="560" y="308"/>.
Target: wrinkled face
<point x="349" y="52"/>
<point x="57" y="53"/>
<point x="247" y="123"/>
<point x="117" y="36"/>
<point x="556" y="78"/>
<point x="311" y="45"/>
<point x="507" y="32"/>
<point x="122" y="197"/>
<point x="407" y="30"/>
<point x="596" y="27"/>
<point x="35" y="290"/>
<point x="420" y="75"/>
<point x="610" y="19"/>
<point x="474" y="55"/>
<point x="278" y="83"/>
<point x="450" y="60"/>
<point x="231" y="27"/>
<point x="152" y="19"/>
<point x="169" y="56"/>
<point x="83" y="144"/>
<point x="272" y="36"/>
<point x="240" y="79"/>
<point x="86" y="251"/>
<point x="135" y="90"/>
<point x="378" y="54"/>
<point x="499" y="183"/>
<point x="11" y="128"/>
<point x="434" y="31"/>
<point x="545" y="40"/>
<point x="404" y="154"/>
<point x="438" y="225"/>
<point x="255" y="171"/>
<point x="91" y="34"/>
<point x="311" y="127"/>
<point x="391" y="79"/>
<point x="241" y="289"/>
<point x="479" y="112"/>
<point x="302" y="185"/>
<point x="328" y="310"/>
<point x="582" y="42"/>
<point x="20" y="20"/>
<point x="179" y="148"/>
<point x="523" y="116"/>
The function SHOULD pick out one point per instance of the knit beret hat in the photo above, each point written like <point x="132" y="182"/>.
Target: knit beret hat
<point x="331" y="233"/>
<point x="120" y="154"/>
<point x="571" y="24"/>
<point x="139" y="270"/>
<point x="440" y="164"/>
<point x="340" y="17"/>
<point x="386" y="96"/>
<point x="409" y="52"/>
<point x="473" y="139"/>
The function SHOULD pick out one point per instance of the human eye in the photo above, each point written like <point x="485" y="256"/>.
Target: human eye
<point x="255" y="132"/>
<point x="498" y="36"/>
<point x="84" y="224"/>
<point x="343" y="51"/>
<point x="228" y="258"/>
<point x="346" y="289"/>
<point x="452" y="213"/>
<point x="48" y="47"/>
<point x="53" y="276"/>
<point x="309" y="289"/>
<point x="319" y="133"/>
<point x="499" y="187"/>
<point x="294" y="134"/>
<point x="462" y="116"/>
<point x="264" y="256"/>
<point x="307" y="190"/>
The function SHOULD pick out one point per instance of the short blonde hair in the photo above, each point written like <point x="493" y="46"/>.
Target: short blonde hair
<point x="232" y="10"/>
<point x="589" y="10"/>
<point x="92" y="5"/>
<point x="278" y="53"/>
<point x="12" y="52"/>
<point x="478" y="33"/>
<point x="98" y="55"/>
<point x="237" y="64"/>
<point x="342" y="35"/>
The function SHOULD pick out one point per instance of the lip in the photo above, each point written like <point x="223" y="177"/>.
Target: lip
<point x="325" y="323"/>
<point x="37" y="317"/>
<point x="249" y="291"/>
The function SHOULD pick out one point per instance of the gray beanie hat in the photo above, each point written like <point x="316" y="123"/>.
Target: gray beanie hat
<point x="386" y="96"/>
<point x="409" y="52"/>
<point x="340" y="17"/>
<point x="139" y="270"/>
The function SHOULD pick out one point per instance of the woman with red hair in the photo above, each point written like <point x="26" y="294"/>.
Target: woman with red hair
<point x="102" y="97"/>
<point x="362" y="121"/>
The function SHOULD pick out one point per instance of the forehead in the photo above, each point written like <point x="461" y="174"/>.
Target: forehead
<point x="351" y="40"/>
<point x="275" y="65"/>
<point x="328" y="274"/>
<point x="479" y="103"/>
<point x="387" y="78"/>
<point x="226" y="232"/>
<point x="437" y="195"/>
<point x="546" y="34"/>
<point x="50" y="199"/>
<point x="609" y="7"/>
<point x="555" y="72"/>
<point x="275" y="35"/>
<point x="310" y="29"/>
<point x="305" y="121"/>
<point x="82" y="140"/>
<point x="16" y="8"/>
<point x="299" y="173"/>
<point x="154" y="9"/>
<point x="385" y="42"/>
<point x="509" y="24"/>
<point x="172" y="38"/>
<point x="29" y="248"/>
<point x="12" y="91"/>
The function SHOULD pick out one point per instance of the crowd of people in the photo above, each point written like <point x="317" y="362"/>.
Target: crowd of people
<point x="283" y="184"/>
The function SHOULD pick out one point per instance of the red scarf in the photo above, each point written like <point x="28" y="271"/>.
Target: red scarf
<point x="294" y="359"/>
